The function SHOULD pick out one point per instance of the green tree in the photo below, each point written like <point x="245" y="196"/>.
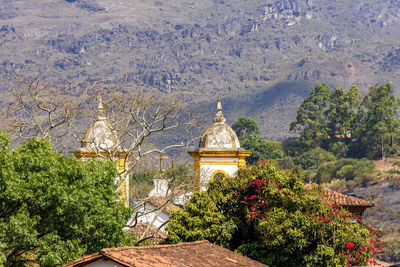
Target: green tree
<point x="314" y="158"/>
<point x="342" y="112"/>
<point x="260" y="149"/>
<point x="269" y="215"/>
<point x="378" y="124"/>
<point x="311" y="119"/>
<point x="53" y="208"/>
<point x="245" y="126"/>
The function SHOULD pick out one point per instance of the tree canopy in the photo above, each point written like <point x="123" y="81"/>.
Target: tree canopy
<point x="53" y="208"/>
<point x="245" y="126"/>
<point x="311" y="118"/>
<point x="337" y="121"/>
<point x="377" y="122"/>
<point x="247" y="131"/>
<point x="269" y="215"/>
<point x="261" y="149"/>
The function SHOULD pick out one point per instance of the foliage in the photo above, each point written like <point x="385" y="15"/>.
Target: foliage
<point x="141" y="182"/>
<point x="269" y="216"/>
<point x="54" y="208"/>
<point x="245" y="126"/>
<point x="179" y="177"/>
<point x="286" y="163"/>
<point x="339" y="149"/>
<point x="311" y="119"/>
<point x="346" y="169"/>
<point x="377" y="123"/>
<point x="247" y="131"/>
<point x="293" y="147"/>
<point x="341" y="113"/>
<point x="313" y="158"/>
<point x="338" y="122"/>
<point x="260" y="149"/>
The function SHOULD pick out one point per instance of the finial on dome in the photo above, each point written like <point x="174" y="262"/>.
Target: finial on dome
<point x="219" y="117"/>
<point x="100" y="112"/>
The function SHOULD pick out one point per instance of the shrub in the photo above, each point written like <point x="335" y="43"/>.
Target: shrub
<point x="314" y="158"/>
<point x="269" y="216"/>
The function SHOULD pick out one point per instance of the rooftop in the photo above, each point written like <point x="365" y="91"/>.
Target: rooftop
<point x="342" y="199"/>
<point x="140" y="227"/>
<point x="199" y="253"/>
<point x="346" y="200"/>
<point x="159" y="202"/>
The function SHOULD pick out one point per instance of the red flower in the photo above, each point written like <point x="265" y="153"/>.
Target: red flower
<point x="264" y="161"/>
<point x="359" y="217"/>
<point x="349" y="245"/>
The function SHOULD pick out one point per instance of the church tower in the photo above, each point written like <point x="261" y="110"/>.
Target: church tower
<point x="100" y="141"/>
<point x="219" y="154"/>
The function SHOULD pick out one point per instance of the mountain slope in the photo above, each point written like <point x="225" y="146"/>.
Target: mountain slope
<point x="260" y="57"/>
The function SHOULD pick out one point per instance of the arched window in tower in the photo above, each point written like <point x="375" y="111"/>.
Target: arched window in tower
<point x="218" y="175"/>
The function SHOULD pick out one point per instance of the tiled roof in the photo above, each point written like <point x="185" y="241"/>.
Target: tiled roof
<point x="342" y="199"/>
<point x="346" y="200"/>
<point x="160" y="201"/>
<point x="199" y="253"/>
<point x="137" y="231"/>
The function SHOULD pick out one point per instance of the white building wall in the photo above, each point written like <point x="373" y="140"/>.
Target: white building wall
<point x="147" y="213"/>
<point x="206" y="170"/>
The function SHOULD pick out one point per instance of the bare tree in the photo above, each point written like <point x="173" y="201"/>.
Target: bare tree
<point x="179" y="185"/>
<point x="33" y="107"/>
<point x="147" y="124"/>
<point x="54" y="111"/>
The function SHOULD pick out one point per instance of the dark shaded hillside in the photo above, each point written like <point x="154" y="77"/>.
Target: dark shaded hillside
<point x="261" y="57"/>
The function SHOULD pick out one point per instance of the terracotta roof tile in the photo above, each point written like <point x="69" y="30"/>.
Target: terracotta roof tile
<point x="346" y="200"/>
<point x="342" y="199"/>
<point x="141" y="227"/>
<point x="159" y="201"/>
<point x="199" y="253"/>
<point x="85" y="260"/>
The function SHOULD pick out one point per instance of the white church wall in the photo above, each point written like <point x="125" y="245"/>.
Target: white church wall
<point x="147" y="214"/>
<point x="206" y="170"/>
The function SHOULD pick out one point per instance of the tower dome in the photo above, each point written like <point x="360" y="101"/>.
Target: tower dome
<point x="219" y="135"/>
<point x="100" y="141"/>
<point x="100" y="136"/>
<point x="219" y="154"/>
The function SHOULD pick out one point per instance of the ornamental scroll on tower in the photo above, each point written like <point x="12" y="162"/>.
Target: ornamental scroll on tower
<point x="100" y="141"/>
<point x="219" y="154"/>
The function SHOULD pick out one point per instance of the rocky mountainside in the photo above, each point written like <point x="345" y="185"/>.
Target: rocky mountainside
<point x="260" y="56"/>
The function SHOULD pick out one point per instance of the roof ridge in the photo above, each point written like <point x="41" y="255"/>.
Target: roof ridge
<point x="118" y="260"/>
<point x="349" y="196"/>
<point x="182" y="244"/>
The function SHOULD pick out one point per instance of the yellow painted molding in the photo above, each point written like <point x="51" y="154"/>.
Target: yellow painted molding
<point x="220" y="154"/>
<point x="204" y="162"/>
<point x="218" y="171"/>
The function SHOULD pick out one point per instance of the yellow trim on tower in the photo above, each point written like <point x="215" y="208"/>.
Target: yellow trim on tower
<point x="205" y="162"/>
<point x="218" y="171"/>
<point x="196" y="172"/>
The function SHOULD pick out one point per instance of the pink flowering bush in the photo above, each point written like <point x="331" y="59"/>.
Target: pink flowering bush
<point x="269" y="216"/>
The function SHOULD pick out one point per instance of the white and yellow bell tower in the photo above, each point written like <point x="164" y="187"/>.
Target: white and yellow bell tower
<point x="219" y="153"/>
<point x="100" y="141"/>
